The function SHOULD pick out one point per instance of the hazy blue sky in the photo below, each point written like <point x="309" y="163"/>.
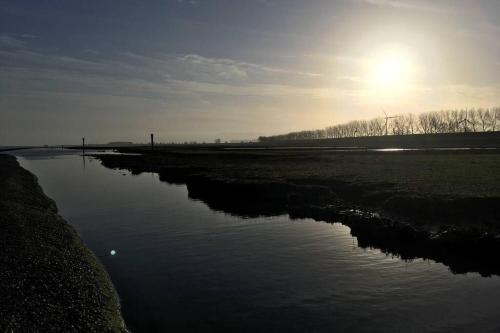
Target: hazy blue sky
<point x="198" y="70"/>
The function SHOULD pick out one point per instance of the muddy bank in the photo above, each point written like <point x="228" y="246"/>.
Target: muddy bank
<point x="49" y="281"/>
<point x="461" y="232"/>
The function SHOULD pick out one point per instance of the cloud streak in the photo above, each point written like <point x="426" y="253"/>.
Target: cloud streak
<point x="14" y="41"/>
<point x="151" y="76"/>
<point x="148" y="77"/>
<point x="413" y="5"/>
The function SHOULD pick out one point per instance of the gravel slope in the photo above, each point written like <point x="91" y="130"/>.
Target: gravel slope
<point x="49" y="280"/>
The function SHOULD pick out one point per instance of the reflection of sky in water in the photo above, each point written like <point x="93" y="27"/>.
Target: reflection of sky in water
<point x="181" y="266"/>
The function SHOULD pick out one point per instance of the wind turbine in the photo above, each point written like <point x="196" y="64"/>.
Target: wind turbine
<point x="386" y="120"/>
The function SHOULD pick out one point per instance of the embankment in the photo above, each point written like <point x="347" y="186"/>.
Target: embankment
<point x="410" y="141"/>
<point x="49" y="280"/>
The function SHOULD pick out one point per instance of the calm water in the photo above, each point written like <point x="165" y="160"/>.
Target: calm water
<point x="183" y="267"/>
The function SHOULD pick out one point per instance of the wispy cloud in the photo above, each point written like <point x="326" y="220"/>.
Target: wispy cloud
<point x="188" y="2"/>
<point x="152" y="77"/>
<point x="14" y="40"/>
<point x="412" y="5"/>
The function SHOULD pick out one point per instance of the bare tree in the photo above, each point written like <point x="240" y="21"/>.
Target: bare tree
<point x="494" y="118"/>
<point x="398" y="125"/>
<point x="449" y="121"/>
<point x="424" y="123"/>
<point x="483" y="118"/>
<point x="409" y="123"/>
<point x="473" y="121"/>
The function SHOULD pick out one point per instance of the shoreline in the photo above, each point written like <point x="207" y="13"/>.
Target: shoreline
<point x="458" y="232"/>
<point x="50" y="280"/>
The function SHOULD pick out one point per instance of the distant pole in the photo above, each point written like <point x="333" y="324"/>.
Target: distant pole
<point x="152" y="142"/>
<point x="83" y="146"/>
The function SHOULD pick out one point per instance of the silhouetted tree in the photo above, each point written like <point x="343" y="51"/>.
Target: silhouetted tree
<point x="448" y="121"/>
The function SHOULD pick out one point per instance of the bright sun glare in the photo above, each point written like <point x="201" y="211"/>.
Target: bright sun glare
<point x="390" y="70"/>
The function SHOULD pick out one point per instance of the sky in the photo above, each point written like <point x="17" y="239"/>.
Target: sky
<point x="198" y="70"/>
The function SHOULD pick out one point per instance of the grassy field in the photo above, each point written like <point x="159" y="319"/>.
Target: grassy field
<point x="450" y="174"/>
<point x="444" y="174"/>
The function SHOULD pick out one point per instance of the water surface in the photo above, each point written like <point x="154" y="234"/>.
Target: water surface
<point x="182" y="267"/>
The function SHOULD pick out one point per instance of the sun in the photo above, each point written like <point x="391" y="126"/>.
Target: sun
<point x="390" y="69"/>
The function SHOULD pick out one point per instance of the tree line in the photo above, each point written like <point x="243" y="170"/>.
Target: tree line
<point x="446" y="121"/>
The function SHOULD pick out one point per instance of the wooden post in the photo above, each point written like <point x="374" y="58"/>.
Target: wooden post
<point x="83" y="146"/>
<point x="152" y="142"/>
